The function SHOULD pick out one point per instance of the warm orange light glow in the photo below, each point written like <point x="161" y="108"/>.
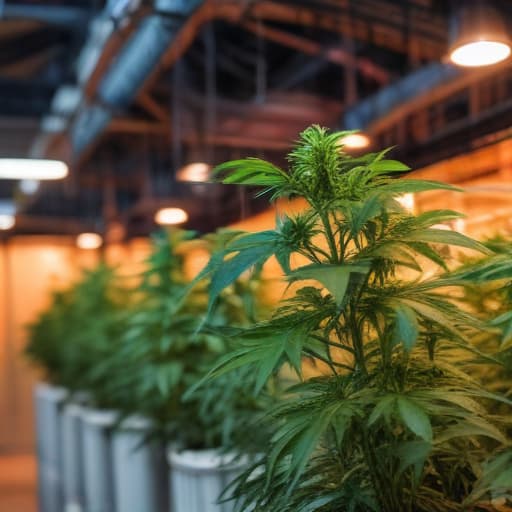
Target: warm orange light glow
<point x="7" y="221"/>
<point x="171" y="216"/>
<point x="407" y="201"/>
<point x="480" y="53"/>
<point x="197" y="171"/>
<point x="89" y="241"/>
<point x="32" y="169"/>
<point x="356" y="141"/>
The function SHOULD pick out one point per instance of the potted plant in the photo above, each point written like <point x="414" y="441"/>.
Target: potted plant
<point x="203" y="465"/>
<point x="70" y="341"/>
<point x="49" y="399"/>
<point x="161" y="356"/>
<point x="392" y="421"/>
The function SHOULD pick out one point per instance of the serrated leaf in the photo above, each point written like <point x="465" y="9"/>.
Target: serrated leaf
<point x="431" y="313"/>
<point x="385" y="166"/>
<point x="361" y="214"/>
<point x="413" y="453"/>
<point x="406" y="327"/>
<point x="441" y="236"/>
<point x="384" y="407"/>
<point x="414" y="418"/>
<point x="333" y="277"/>
<point x="404" y="186"/>
<point x="250" y="250"/>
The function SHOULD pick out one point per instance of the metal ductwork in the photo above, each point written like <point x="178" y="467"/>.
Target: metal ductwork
<point x="53" y="15"/>
<point x="407" y="89"/>
<point x="137" y="60"/>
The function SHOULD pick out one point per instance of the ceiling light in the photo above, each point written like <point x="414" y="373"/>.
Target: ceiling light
<point x="89" y="241"/>
<point x="355" y="141"/>
<point x="32" y="169"/>
<point x="479" y="35"/>
<point x="6" y="221"/>
<point x="171" y="216"/>
<point x="480" y="53"/>
<point x="196" y="172"/>
<point x="29" y="187"/>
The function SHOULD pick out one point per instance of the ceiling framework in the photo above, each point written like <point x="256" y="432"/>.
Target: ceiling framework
<point x="235" y="78"/>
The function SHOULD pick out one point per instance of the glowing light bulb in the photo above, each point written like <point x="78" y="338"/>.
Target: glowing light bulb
<point x="171" y="216"/>
<point x="195" y="172"/>
<point x="32" y="169"/>
<point x="355" y="141"/>
<point x="89" y="241"/>
<point x="480" y="53"/>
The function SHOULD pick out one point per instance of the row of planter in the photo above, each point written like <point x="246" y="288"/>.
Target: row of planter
<point x="88" y="464"/>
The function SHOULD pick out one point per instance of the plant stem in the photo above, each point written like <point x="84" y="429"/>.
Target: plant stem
<point x="329" y="235"/>
<point x="357" y="341"/>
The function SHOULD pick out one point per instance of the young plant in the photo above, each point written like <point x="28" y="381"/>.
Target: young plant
<point x="393" y="421"/>
<point x="72" y="339"/>
<point x="492" y="302"/>
<point x="162" y="355"/>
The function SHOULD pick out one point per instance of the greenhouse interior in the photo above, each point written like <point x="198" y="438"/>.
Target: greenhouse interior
<point x="255" y="255"/>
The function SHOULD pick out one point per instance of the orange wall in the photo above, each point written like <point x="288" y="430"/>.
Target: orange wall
<point x="29" y="268"/>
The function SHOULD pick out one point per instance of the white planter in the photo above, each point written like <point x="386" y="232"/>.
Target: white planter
<point x="141" y="481"/>
<point x="198" y="479"/>
<point x="49" y="401"/>
<point x="97" y="428"/>
<point x="72" y="458"/>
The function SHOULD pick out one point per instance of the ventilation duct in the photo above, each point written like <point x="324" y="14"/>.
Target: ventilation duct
<point x="380" y="105"/>
<point x="53" y="15"/>
<point x="137" y="60"/>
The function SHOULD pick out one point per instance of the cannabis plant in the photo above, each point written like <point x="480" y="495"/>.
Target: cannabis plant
<point x="162" y="355"/>
<point x="392" y="421"/>
<point x="492" y="302"/>
<point x="72" y="339"/>
<point x="48" y="334"/>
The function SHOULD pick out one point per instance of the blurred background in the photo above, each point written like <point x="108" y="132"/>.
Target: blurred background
<point x="113" y="113"/>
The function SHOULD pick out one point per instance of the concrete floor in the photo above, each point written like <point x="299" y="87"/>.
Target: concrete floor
<point x="18" y="484"/>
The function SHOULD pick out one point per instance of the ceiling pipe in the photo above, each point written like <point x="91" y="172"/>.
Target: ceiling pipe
<point x="126" y="76"/>
<point x="53" y="15"/>
<point x="362" y="115"/>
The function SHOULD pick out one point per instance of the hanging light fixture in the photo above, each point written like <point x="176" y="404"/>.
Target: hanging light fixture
<point x="171" y="216"/>
<point x="479" y="35"/>
<point x="89" y="241"/>
<point x="32" y="169"/>
<point x="356" y="141"/>
<point x="197" y="172"/>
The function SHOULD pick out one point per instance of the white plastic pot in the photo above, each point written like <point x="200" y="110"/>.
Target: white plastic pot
<point x="198" y="479"/>
<point x="141" y="480"/>
<point x="49" y="401"/>
<point x="97" y="426"/>
<point x="72" y="458"/>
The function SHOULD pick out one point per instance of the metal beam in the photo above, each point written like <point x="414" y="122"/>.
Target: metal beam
<point x="335" y="55"/>
<point x="51" y="14"/>
<point x="153" y="108"/>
